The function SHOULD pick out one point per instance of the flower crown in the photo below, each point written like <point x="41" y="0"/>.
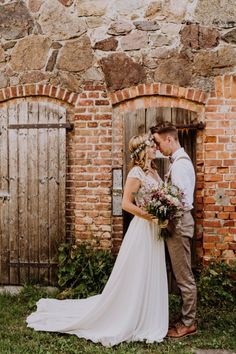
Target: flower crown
<point x="141" y="147"/>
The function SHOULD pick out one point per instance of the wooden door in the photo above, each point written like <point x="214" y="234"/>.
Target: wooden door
<point x="32" y="191"/>
<point x="139" y="122"/>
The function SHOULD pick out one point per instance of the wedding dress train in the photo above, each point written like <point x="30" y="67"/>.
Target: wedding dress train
<point x="134" y="303"/>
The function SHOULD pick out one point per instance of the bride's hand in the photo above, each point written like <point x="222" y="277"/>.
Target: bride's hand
<point x="163" y="224"/>
<point x="149" y="217"/>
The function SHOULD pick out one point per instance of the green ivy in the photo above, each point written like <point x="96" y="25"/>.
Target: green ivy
<point x="216" y="285"/>
<point x="83" y="270"/>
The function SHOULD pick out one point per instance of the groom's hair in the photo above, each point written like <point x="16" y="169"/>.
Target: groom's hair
<point x="165" y="128"/>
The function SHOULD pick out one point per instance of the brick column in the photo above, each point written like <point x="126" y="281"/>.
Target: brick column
<point x="219" y="227"/>
<point x="92" y="166"/>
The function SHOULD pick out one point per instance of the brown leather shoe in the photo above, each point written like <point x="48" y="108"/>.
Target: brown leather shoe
<point x="180" y="330"/>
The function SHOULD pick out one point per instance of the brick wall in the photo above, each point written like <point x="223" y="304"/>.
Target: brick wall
<point x="95" y="146"/>
<point x="219" y="226"/>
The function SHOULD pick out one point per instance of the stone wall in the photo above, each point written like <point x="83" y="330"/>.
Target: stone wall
<point x="96" y="54"/>
<point x="67" y="42"/>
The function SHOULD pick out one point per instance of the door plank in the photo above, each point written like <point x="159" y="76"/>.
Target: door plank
<point x="4" y="187"/>
<point x="62" y="175"/>
<point x="53" y="185"/>
<point x="43" y="167"/>
<point x="13" y="190"/>
<point x="134" y="124"/>
<point x="151" y="117"/>
<point x="33" y="191"/>
<point x="24" y="235"/>
<point x="154" y="116"/>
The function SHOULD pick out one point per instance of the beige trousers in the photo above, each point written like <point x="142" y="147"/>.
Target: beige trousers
<point x="180" y="255"/>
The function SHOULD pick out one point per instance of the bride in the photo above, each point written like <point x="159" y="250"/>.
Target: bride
<point x="134" y="303"/>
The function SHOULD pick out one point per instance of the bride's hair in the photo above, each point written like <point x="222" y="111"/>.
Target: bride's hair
<point x="138" y="146"/>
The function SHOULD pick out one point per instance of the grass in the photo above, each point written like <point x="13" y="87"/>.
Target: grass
<point x="216" y="331"/>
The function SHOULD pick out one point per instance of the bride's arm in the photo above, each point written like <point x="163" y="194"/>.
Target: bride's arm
<point x="132" y="186"/>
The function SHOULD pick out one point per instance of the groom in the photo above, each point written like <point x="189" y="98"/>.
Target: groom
<point x="181" y="173"/>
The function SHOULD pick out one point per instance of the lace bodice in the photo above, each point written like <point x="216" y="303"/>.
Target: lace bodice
<point x="147" y="181"/>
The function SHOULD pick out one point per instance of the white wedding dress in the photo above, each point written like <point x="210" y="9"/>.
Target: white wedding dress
<point x="134" y="303"/>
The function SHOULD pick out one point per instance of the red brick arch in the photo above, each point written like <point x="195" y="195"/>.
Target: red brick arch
<point x="159" y="94"/>
<point x="39" y="90"/>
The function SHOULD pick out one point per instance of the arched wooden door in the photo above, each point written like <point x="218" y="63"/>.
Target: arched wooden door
<point x="32" y="190"/>
<point x="140" y="121"/>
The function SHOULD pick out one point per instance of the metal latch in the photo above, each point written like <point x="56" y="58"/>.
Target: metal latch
<point x="4" y="195"/>
<point x="117" y="191"/>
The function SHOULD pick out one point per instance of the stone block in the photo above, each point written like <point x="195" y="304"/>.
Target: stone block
<point x="230" y="37"/>
<point x="207" y="63"/>
<point x="147" y="25"/>
<point x="76" y="55"/>
<point x="3" y="80"/>
<point x="153" y="8"/>
<point x="30" y="53"/>
<point x="57" y="21"/>
<point x="15" y="21"/>
<point x="121" y="71"/>
<point x="176" y="70"/>
<point x="108" y="44"/>
<point x="2" y="55"/>
<point x="199" y="37"/>
<point x="219" y="12"/>
<point x="91" y="7"/>
<point x="120" y="27"/>
<point x="52" y="61"/>
<point x="129" y="8"/>
<point x="135" y="40"/>
<point x="34" y="5"/>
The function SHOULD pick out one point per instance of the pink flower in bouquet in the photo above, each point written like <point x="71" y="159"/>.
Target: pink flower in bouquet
<point x="165" y="203"/>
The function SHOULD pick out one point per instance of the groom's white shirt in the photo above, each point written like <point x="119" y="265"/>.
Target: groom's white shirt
<point x="182" y="174"/>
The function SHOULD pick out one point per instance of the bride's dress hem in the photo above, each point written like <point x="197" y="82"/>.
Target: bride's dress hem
<point x="109" y="341"/>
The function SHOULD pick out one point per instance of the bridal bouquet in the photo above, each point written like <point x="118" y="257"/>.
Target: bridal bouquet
<point x="165" y="203"/>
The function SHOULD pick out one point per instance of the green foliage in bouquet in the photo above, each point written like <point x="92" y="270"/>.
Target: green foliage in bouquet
<point x="83" y="270"/>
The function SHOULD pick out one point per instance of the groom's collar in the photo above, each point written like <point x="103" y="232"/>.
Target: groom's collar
<point x="177" y="153"/>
